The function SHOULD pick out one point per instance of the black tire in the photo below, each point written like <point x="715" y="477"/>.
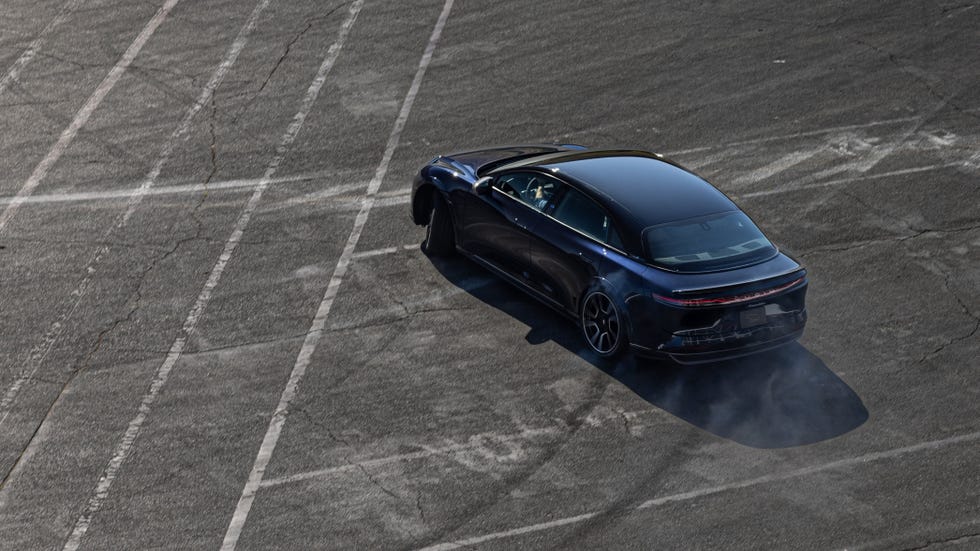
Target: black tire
<point x="439" y="237"/>
<point x="603" y="325"/>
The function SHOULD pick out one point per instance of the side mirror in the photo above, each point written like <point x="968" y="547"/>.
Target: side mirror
<point x="482" y="186"/>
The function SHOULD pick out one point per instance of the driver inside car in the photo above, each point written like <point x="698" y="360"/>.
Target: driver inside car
<point x="540" y="200"/>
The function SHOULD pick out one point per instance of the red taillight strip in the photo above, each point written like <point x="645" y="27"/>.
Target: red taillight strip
<point x="727" y="300"/>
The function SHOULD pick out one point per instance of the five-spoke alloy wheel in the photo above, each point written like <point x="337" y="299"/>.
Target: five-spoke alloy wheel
<point x="602" y="324"/>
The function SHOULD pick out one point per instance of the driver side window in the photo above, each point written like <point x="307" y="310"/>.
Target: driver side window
<point x="534" y="190"/>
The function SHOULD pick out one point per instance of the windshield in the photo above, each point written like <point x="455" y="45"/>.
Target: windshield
<point x="713" y="242"/>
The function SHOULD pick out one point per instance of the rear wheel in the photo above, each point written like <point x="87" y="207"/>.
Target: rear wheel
<point x="602" y="325"/>
<point x="439" y="238"/>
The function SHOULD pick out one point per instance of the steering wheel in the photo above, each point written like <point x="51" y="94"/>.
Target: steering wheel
<point x="529" y="189"/>
<point x="507" y="188"/>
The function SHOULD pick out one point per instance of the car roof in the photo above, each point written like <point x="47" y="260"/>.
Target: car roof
<point x="642" y="189"/>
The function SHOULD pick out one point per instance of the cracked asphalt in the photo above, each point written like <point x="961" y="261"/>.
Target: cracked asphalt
<point x="441" y="408"/>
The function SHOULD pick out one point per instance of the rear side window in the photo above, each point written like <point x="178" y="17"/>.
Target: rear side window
<point x="583" y="214"/>
<point x="713" y="242"/>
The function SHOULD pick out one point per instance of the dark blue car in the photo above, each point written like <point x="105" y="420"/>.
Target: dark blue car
<point x="639" y="251"/>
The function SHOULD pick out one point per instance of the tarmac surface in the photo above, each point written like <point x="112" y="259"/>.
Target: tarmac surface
<point x="217" y="329"/>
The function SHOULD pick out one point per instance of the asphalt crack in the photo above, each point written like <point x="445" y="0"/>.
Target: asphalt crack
<point x="72" y="62"/>
<point x="914" y="232"/>
<point x="904" y="67"/>
<point x="346" y="457"/>
<point x="85" y="363"/>
<point x="626" y="422"/>
<point x="391" y="321"/>
<point x="418" y="506"/>
<point x="947" y="11"/>
<point x="213" y="146"/>
<point x="572" y="422"/>
<point x="282" y="58"/>
<point x="965" y="309"/>
<point x="170" y="72"/>
<point x="136" y="298"/>
<point x="897" y="239"/>
<point x="954" y="539"/>
<point x="310" y="22"/>
<point x="86" y="242"/>
<point x="46" y="110"/>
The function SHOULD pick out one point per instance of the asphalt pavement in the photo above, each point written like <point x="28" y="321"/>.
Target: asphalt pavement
<point x="217" y="329"/>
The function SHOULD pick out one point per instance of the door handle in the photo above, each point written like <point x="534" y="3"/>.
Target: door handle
<point x="518" y="223"/>
<point x="582" y="256"/>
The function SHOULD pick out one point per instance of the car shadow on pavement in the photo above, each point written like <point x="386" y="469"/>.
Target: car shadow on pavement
<point x="776" y="399"/>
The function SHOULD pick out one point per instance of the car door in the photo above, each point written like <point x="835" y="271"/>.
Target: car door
<point x="497" y="225"/>
<point x="570" y="246"/>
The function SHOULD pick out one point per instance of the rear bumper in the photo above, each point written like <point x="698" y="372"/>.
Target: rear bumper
<point x="699" y="349"/>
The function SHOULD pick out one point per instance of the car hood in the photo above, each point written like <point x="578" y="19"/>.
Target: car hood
<point x="478" y="161"/>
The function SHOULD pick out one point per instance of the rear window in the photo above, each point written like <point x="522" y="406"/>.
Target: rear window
<point x="713" y="242"/>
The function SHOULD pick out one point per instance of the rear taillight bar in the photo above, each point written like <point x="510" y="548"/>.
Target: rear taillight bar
<point x="723" y="301"/>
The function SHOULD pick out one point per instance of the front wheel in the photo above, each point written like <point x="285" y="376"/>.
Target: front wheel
<point x="439" y="238"/>
<point x="602" y="325"/>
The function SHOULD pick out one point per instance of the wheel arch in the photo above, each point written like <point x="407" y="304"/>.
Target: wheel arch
<point x="422" y="203"/>
<point x="603" y="285"/>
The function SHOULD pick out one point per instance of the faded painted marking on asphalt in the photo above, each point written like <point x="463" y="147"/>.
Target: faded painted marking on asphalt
<point x="40" y="351"/>
<point x="93" y="102"/>
<point x="780" y="165"/>
<point x="271" y="438"/>
<point x="348" y="204"/>
<point x="686" y="496"/>
<point x="13" y="73"/>
<point x="384" y="251"/>
<point x="200" y="305"/>
<point x="242" y="184"/>
<point x="785" y="137"/>
<point x="485" y="443"/>
<point x="842" y="181"/>
<point x="477" y="441"/>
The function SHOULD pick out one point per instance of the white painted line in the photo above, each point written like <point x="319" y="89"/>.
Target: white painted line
<point x="125" y="446"/>
<point x="777" y="166"/>
<point x="511" y="533"/>
<point x="700" y="162"/>
<point x="13" y="73"/>
<point x="685" y="496"/>
<point x="384" y="251"/>
<point x="375" y="252"/>
<point x="93" y="102"/>
<point x="40" y="351"/>
<point x="842" y="181"/>
<point x="848" y="462"/>
<point x="271" y="438"/>
<point x="244" y="184"/>
<point x="347" y="204"/>
<point x="393" y="201"/>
